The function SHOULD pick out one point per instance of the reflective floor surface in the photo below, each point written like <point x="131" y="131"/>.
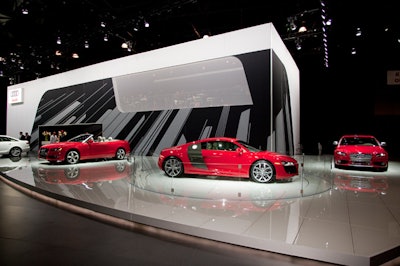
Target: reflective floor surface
<point x="325" y="215"/>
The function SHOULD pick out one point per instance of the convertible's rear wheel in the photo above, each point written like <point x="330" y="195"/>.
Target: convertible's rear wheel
<point x="120" y="154"/>
<point x="173" y="167"/>
<point x="72" y="157"/>
<point x="15" y="152"/>
<point x="262" y="171"/>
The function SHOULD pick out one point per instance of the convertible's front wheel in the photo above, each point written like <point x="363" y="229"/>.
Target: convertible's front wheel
<point x="262" y="172"/>
<point x="120" y="154"/>
<point x="72" y="157"/>
<point x="173" y="167"/>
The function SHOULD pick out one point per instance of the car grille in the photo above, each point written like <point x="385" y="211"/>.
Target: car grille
<point x="360" y="157"/>
<point x="291" y="169"/>
<point x="43" y="153"/>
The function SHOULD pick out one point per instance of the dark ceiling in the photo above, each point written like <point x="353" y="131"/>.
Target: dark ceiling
<point x="28" y="41"/>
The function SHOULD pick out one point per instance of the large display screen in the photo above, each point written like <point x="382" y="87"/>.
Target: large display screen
<point x="209" y="83"/>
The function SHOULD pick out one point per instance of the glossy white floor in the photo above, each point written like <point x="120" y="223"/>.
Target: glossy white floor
<point x="337" y="216"/>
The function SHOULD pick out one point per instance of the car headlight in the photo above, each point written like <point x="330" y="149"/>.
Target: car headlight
<point x="56" y="149"/>
<point x="381" y="154"/>
<point x="284" y="163"/>
<point x="341" y="153"/>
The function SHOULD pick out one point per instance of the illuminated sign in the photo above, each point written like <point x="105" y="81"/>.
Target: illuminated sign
<point x="15" y="96"/>
<point x="393" y="77"/>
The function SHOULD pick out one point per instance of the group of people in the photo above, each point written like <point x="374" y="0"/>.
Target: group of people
<point x="25" y="136"/>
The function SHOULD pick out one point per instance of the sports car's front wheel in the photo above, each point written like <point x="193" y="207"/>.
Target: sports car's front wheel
<point x="262" y="172"/>
<point x="173" y="167"/>
<point x="72" y="157"/>
<point x="120" y="154"/>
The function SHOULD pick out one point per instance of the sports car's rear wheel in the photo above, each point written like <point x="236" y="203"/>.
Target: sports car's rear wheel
<point x="120" y="154"/>
<point x="173" y="167"/>
<point x="262" y="171"/>
<point x="15" y="152"/>
<point x="72" y="157"/>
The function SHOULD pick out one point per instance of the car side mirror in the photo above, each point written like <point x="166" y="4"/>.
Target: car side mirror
<point x="90" y="141"/>
<point x="239" y="150"/>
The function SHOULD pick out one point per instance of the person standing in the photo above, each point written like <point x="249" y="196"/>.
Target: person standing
<point x="21" y="136"/>
<point x="28" y="137"/>
<point x="53" y="137"/>
<point x="319" y="148"/>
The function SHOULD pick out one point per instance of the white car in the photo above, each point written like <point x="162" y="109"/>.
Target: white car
<point x="12" y="146"/>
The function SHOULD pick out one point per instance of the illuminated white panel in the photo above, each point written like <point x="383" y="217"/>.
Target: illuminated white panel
<point x="209" y="83"/>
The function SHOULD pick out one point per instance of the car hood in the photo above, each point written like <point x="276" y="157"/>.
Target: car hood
<point x="58" y="145"/>
<point x="361" y="149"/>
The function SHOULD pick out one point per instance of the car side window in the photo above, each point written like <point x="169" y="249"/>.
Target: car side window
<point x="229" y="146"/>
<point x="219" y="145"/>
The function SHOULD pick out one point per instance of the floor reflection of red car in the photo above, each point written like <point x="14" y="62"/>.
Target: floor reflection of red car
<point x="84" y="147"/>
<point x="85" y="173"/>
<point x="361" y="151"/>
<point x="223" y="156"/>
<point x="373" y="184"/>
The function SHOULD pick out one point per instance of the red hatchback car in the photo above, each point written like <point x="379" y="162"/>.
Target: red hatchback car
<point x="360" y="151"/>
<point x="83" y="147"/>
<point x="222" y="156"/>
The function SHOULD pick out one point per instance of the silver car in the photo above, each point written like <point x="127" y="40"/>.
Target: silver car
<point x="12" y="146"/>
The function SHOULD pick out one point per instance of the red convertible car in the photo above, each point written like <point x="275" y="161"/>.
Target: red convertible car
<point x="222" y="156"/>
<point x="84" y="147"/>
<point x="360" y="151"/>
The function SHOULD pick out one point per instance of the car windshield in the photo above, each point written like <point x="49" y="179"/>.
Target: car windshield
<point x="80" y="138"/>
<point x="368" y="141"/>
<point x="248" y="146"/>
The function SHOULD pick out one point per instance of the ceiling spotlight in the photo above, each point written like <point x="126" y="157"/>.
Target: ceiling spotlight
<point x="103" y="24"/>
<point x="75" y="55"/>
<point x="86" y="44"/>
<point x="146" y="24"/>
<point x="25" y="11"/>
<point x="302" y="29"/>
<point x="353" y="51"/>
<point x="298" y="44"/>
<point x="105" y="38"/>
<point x="58" y="40"/>
<point x="358" y="32"/>
<point x="58" y="53"/>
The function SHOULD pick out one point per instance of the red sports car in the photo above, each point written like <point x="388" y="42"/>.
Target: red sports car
<point x="84" y="147"/>
<point x="222" y="156"/>
<point x="360" y="151"/>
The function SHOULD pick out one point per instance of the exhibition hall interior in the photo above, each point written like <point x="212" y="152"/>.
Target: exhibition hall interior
<point x="207" y="132"/>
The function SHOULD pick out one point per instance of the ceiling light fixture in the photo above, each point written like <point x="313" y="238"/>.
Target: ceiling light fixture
<point x="358" y="32"/>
